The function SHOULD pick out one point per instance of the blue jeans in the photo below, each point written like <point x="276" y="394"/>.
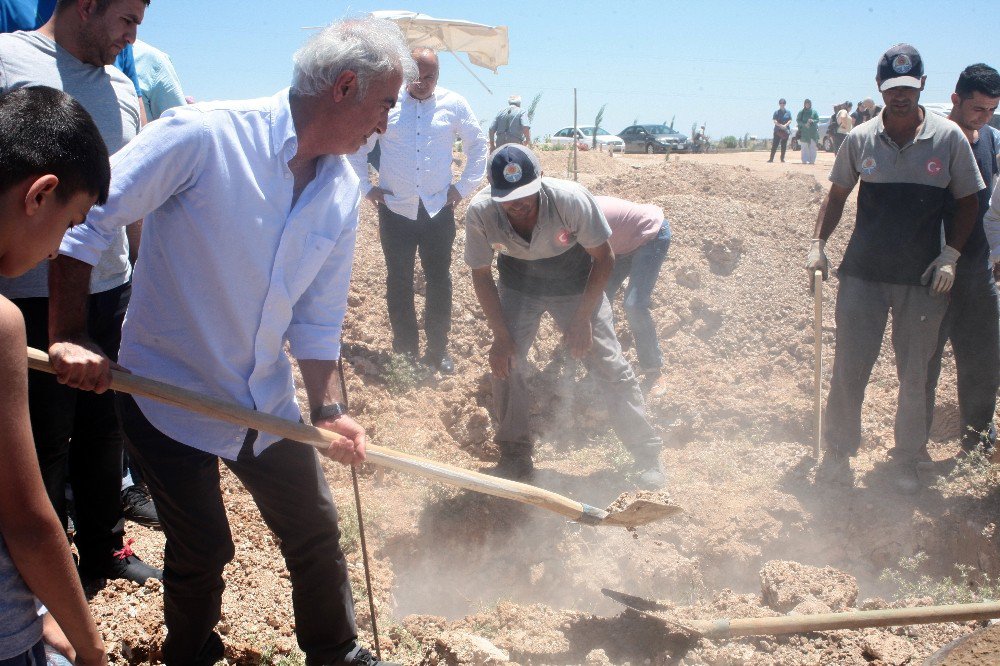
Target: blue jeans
<point x="972" y="325"/>
<point x="33" y="657"/>
<point x="642" y="268"/>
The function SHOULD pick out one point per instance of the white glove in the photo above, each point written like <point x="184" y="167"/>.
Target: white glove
<point x="942" y="270"/>
<point x="816" y="260"/>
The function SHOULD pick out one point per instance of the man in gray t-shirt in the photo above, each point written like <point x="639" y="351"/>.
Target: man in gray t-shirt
<point x="554" y="257"/>
<point x="76" y="433"/>
<point x="511" y="125"/>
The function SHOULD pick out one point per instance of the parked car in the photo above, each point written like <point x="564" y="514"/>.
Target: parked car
<point x="653" y="139"/>
<point x="585" y="135"/>
<point x="825" y="140"/>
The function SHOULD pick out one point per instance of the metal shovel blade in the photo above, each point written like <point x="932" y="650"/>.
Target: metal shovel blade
<point x="651" y="609"/>
<point x="639" y="512"/>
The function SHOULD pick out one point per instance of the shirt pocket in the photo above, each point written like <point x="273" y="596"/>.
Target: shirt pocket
<point x="314" y="254"/>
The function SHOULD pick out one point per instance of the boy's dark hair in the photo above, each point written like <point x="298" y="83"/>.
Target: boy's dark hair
<point x="978" y="78"/>
<point x="45" y="131"/>
<point x="102" y="5"/>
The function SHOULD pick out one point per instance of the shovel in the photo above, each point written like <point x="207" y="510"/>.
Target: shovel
<point x="796" y="624"/>
<point x="630" y="515"/>
<point x="818" y="366"/>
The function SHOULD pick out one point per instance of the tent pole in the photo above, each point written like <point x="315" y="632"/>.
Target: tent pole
<point x="469" y="70"/>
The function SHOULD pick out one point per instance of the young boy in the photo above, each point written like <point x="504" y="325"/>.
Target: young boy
<point x="53" y="167"/>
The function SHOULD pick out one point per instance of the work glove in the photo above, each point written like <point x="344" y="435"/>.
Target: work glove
<point x="941" y="273"/>
<point x="816" y="261"/>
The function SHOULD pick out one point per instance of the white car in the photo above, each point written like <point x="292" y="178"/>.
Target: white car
<point x="585" y="135"/>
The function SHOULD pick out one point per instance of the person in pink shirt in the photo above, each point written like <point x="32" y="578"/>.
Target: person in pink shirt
<point x="640" y="238"/>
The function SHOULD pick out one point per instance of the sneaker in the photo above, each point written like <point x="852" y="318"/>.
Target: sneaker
<point x="122" y="564"/>
<point x="835" y="470"/>
<point x="137" y="505"/>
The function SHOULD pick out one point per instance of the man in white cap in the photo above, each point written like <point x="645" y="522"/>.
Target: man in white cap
<point x="553" y="256"/>
<point x="908" y="162"/>
<point x="511" y="125"/>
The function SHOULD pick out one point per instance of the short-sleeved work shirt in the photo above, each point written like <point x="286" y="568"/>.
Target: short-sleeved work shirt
<point x="554" y="262"/>
<point x="509" y="125"/>
<point x="902" y="196"/>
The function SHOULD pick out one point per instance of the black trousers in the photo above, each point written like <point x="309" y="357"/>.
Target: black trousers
<point x="774" y="146"/>
<point x="402" y="239"/>
<point x="76" y="433"/>
<point x="291" y="492"/>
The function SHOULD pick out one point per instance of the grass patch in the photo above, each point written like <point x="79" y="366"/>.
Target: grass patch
<point x="966" y="586"/>
<point x="401" y="373"/>
<point x="974" y="474"/>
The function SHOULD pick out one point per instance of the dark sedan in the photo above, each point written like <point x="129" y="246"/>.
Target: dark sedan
<point x="653" y="139"/>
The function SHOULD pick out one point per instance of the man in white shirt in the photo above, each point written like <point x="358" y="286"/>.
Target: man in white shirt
<point x="416" y="202"/>
<point x="250" y="212"/>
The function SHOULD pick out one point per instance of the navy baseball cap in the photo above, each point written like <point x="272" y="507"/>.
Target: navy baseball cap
<point x="900" y="66"/>
<point x="514" y="173"/>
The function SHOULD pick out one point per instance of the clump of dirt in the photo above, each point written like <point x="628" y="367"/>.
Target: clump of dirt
<point x="455" y="573"/>
<point x="785" y="585"/>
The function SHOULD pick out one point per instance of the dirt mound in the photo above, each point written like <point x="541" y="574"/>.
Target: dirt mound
<point x="786" y="585"/>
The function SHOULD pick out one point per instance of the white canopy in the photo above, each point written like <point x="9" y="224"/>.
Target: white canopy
<point x="486" y="45"/>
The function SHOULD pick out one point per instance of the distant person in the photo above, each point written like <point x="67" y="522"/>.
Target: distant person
<point x="159" y="85"/>
<point x="511" y="125"/>
<point x="553" y="255"/>
<point x="416" y="199"/>
<point x="77" y="434"/>
<point x="807" y="122"/>
<point x="640" y="239"/>
<point x="53" y="168"/>
<point x="782" y="120"/>
<point x="844" y="126"/>
<point x="864" y="112"/>
<point x="908" y="162"/>
<point x="972" y="321"/>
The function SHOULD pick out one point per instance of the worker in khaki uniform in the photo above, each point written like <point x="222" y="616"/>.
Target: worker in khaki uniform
<point x="553" y="256"/>
<point x="908" y="162"/>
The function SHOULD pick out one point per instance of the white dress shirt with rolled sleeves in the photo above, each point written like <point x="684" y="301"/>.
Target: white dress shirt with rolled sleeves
<point x="228" y="269"/>
<point x="415" y="162"/>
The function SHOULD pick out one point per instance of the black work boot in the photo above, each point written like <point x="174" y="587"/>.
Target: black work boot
<point x="515" y="461"/>
<point x="649" y="473"/>
<point x="124" y="564"/>
<point x="360" y="656"/>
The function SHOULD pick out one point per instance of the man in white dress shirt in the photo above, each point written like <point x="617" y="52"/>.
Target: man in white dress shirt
<point x="416" y="201"/>
<point x="250" y="212"/>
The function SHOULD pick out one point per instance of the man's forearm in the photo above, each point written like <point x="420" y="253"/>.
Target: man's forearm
<point x="134" y="234"/>
<point x="600" y="272"/>
<point x="69" y="289"/>
<point x="966" y="210"/>
<point x="322" y="382"/>
<point x="829" y="217"/>
<point x="489" y="300"/>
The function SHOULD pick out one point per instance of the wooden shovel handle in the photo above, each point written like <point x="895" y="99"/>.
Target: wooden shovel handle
<point x="320" y="438"/>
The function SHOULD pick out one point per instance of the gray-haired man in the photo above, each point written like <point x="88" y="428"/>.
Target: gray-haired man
<point x="511" y="125"/>
<point x="250" y="215"/>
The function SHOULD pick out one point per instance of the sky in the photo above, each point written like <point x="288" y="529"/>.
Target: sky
<point x="724" y="64"/>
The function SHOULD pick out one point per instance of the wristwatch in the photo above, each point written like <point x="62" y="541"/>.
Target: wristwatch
<point x="327" y="412"/>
